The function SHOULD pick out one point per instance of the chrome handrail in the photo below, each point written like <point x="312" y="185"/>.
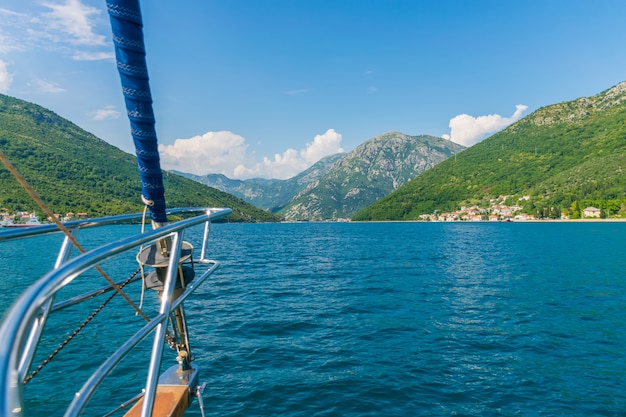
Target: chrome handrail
<point x="23" y="319"/>
<point x="43" y="229"/>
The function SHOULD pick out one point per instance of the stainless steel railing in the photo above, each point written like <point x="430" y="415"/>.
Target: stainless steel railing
<point x="24" y="321"/>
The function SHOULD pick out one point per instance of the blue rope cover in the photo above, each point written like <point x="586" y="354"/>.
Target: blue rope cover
<point x="130" y="53"/>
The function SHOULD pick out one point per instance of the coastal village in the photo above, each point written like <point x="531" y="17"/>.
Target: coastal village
<point x="24" y="217"/>
<point x="497" y="212"/>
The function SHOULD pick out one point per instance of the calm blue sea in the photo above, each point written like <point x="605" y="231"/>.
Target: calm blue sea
<point x="391" y="319"/>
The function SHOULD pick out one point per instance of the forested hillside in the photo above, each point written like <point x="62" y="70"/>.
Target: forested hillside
<point x="74" y="171"/>
<point x="564" y="157"/>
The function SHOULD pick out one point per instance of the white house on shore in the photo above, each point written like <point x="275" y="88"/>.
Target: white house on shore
<point x="591" y="212"/>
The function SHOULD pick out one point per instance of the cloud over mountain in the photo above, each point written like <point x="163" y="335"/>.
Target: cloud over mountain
<point x="468" y="130"/>
<point x="227" y="153"/>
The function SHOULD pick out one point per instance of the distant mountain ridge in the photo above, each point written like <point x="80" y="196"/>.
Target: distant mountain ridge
<point x="267" y="194"/>
<point x="560" y="158"/>
<point x="367" y="173"/>
<point x="338" y="186"/>
<point x="73" y="170"/>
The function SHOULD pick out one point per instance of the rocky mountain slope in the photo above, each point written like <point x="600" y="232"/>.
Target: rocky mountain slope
<point x="369" y="172"/>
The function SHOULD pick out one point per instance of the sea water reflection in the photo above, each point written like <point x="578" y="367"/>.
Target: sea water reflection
<point x="412" y="319"/>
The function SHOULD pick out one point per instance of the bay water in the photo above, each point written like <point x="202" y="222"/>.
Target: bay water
<point x="391" y="319"/>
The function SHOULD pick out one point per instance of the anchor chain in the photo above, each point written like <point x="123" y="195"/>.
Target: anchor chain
<point x="80" y="327"/>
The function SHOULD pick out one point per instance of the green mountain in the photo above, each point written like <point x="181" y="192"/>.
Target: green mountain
<point x="562" y="157"/>
<point x="74" y="171"/>
<point x="367" y="173"/>
<point x="268" y="194"/>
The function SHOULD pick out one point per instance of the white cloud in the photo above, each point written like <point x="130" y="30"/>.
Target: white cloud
<point x="11" y="30"/>
<point x="213" y="152"/>
<point x="48" y="87"/>
<point x="75" y="19"/>
<point x="296" y="92"/>
<point x="6" y="78"/>
<point x="227" y="153"/>
<point x="106" y="113"/>
<point x="67" y="26"/>
<point x="467" y="130"/>
<point x="9" y="13"/>
<point x="92" y="56"/>
<point x="323" y="145"/>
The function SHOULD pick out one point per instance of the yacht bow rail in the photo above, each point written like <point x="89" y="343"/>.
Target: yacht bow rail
<point x="23" y="323"/>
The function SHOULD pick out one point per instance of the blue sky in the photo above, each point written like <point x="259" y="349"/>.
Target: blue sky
<point x="261" y="88"/>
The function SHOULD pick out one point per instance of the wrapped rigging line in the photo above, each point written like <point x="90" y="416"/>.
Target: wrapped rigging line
<point x="130" y="53"/>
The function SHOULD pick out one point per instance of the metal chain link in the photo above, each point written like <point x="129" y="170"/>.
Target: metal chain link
<point x="80" y="327"/>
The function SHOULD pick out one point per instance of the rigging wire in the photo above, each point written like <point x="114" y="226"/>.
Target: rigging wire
<point x="127" y="403"/>
<point x="64" y="229"/>
<point x="75" y="333"/>
<point x="143" y="275"/>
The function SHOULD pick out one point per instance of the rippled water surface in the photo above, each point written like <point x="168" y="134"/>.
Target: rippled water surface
<point x="409" y="319"/>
